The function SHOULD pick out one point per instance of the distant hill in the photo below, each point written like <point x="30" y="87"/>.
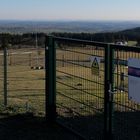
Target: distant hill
<point x="134" y="30"/>
<point x="131" y="33"/>
<point x="19" y="27"/>
<point x="124" y="35"/>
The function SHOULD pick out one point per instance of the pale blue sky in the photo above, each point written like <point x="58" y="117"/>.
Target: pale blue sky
<point x="70" y="9"/>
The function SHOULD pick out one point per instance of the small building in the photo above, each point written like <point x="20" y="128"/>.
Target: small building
<point x="121" y="43"/>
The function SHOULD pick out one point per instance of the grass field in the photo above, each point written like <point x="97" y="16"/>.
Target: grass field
<point x="132" y="43"/>
<point x="26" y="87"/>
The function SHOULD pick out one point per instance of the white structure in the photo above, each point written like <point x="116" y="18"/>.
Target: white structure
<point x="121" y="43"/>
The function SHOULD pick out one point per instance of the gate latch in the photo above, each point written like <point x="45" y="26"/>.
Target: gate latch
<point x="110" y="93"/>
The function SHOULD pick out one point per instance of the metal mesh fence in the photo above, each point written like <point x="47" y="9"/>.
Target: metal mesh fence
<point x="1" y="77"/>
<point x="80" y="89"/>
<point x="83" y="100"/>
<point x="25" y="80"/>
<point x="126" y="116"/>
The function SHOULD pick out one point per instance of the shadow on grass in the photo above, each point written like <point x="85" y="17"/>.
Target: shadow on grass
<point x="89" y="127"/>
<point x="84" y="121"/>
<point x="126" y="125"/>
<point x="28" y="127"/>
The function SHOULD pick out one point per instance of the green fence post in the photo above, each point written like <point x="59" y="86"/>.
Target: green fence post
<point x="108" y="95"/>
<point x="50" y="68"/>
<point x="4" y="46"/>
<point x="5" y="76"/>
<point x="111" y="94"/>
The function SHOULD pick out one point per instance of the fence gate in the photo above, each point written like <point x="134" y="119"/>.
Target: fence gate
<point x="126" y="111"/>
<point x="87" y="85"/>
<point x="76" y="73"/>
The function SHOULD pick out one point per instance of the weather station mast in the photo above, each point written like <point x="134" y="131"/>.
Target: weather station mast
<point x="38" y="66"/>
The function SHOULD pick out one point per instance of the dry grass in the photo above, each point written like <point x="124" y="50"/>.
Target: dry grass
<point x="26" y="87"/>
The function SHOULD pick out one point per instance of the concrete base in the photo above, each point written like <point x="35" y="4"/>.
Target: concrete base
<point x="37" y="67"/>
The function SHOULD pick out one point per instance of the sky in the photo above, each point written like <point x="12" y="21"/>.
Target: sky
<point x="70" y="10"/>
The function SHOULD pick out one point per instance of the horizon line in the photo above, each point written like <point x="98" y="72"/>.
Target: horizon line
<point x="71" y="20"/>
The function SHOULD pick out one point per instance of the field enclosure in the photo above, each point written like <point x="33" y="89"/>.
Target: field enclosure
<point x="79" y="93"/>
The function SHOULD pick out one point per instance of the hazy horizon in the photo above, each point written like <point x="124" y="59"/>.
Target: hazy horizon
<point x="67" y="20"/>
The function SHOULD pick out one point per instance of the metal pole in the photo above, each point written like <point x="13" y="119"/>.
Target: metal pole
<point x="63" y="60"/>
<point x="108" y="95"/>
<point x="50" y="68"/>
<point x="5" y="74"/>
<point x="111" y="104"/>
<point x="30" y="59"/>
<point x="37" y="48"/>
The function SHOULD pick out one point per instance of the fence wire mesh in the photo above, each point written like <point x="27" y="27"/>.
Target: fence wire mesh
<point x="25" y="80"/>
<point x="126" y="115"/>
<point x="80" y="90"/>
<point x="1" y="78"/>
<point x="80" y="87"/>
<point x="80" y="93"/>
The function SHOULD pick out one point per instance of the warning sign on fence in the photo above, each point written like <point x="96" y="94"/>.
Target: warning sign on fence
<point x="95" y="66"/>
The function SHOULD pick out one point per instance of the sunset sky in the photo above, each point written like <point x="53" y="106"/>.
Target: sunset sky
<point x="70" y="9"/>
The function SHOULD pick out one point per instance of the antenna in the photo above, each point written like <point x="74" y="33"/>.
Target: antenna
<point x="37" y="50"/>
<point x="38" y="67"/>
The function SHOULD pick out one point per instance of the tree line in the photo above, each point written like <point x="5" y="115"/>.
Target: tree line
<point x="102" y="37"/>
<point x="30" y="38"/>
<point x="22" y="39"/>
